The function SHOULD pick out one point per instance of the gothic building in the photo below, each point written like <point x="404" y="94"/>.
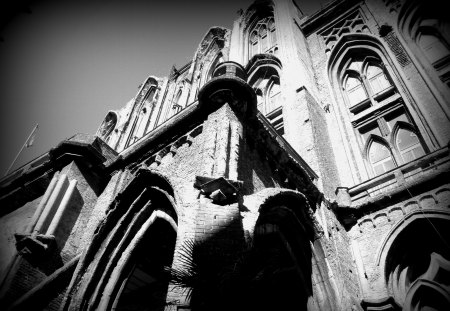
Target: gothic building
<point x="296" y="163"/>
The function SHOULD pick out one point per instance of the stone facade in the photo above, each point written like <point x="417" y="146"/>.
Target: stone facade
<point x="297" y="162"/>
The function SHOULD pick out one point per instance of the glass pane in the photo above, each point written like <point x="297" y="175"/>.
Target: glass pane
<point x="378" y="152"/>
<point x="409" y="145"/>
<point x="406" y="139"/>
<point x="388" y="165"/>
<point x="355" y="91"/>
<point x="380" y="158"/>
<point x="433" y="48"/>
<point x="377" y="79"/>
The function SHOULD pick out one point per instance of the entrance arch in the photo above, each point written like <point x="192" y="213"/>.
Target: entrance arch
<point x="122" y="268"/>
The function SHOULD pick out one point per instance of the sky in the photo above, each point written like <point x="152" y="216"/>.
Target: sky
<point x="65" y="64"/>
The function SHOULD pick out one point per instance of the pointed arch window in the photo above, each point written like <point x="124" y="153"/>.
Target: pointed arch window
<point x="366" y="83"/>
<point x="432" y="40"/>
<point x="267" y="93"/>
<point x="273" y="94"/>
<point x="408" y="143"/>
<point x="355" y="90"/>
<point x="266" y="83"/>
<point x="177" y="105"/>
<point x="142" y="112"/>
<point x="433" y="48"/>
<point x="262" y="38"/>
<point x="386" y="132"/>
<point x="377" y="79"/>
<point x="380" y="156"/>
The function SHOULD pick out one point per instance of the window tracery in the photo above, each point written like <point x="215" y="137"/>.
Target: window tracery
<point x="383" y="126"/>
<point x="263" y="37"/>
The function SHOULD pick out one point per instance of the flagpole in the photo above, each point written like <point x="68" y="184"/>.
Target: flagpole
<point x="21" y="149"/>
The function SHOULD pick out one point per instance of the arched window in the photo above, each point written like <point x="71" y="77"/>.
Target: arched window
<point x="254" y="48"/>
<point x="388" y="137"/>
<point x="365" y="83"/>
<point x="107" y="126"/>
<point x="377" y="79"/>
<point x="262" y="38"/>
<point x="273" y="94"/>
<point x="355" y="90"/>
<point x="176" y="105"/>
<point x="408" y="145"/>
<point x="433" y="48"/>
<point x="380" y="157"/>
<point x="427" y="25"/>
<point x="417" y="262"/>
<point x="150" y="95"/>
<point x="266" y="83"/>
<point x="142" y="112"/>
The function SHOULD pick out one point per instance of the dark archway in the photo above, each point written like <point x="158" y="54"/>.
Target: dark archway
<point x="135" y="240"/>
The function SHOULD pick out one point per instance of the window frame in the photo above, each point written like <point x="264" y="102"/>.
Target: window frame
<point x="372" y="111"/>
<point x="255" y="38"/>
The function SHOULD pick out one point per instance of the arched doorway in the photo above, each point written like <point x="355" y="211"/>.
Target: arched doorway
<point x="122" y="268"/>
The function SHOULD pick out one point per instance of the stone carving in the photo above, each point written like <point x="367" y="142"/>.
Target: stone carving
<point x="354" y="23"/>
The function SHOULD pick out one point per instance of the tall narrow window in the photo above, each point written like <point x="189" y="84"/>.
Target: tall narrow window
<point x="262" y="37"/>
<point x="409" y="145"/>
<point x="377" y="79"/>
<point x="266" y="83"/>
<point x="380" y="157"/>
<point x="433" y="48"/>
<point x="434" y="44"/>
<point x="355" y="91"/>
<point x="273" y="95"/>
<point x="142" y="112"/>
<point x="388" y="136"/>
<point x="254" y="43"/>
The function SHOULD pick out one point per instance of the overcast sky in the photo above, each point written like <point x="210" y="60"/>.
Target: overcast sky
<point x="64" y="64"/>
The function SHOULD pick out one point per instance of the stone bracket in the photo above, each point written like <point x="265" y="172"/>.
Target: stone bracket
<point x="34" y="245"/>
<point x="220" y="190"/>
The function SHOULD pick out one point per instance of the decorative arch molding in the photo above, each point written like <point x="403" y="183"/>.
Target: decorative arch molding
<point x="401" y="225"/>
<point x="144" y="208"/>
<point x="425" y="27"/>
<point x="151" y="81"/>
<point x="298" y="203"/>
<point x="286" y="222"/>
<point x="354" y="42"/>
<point x="374" y="139"/>
<point x="436" y="296"/>
<point x="415" y="252"/>
<point x="411" y="13"/>
<point x="213" y="35"/>
<point x="262" y="60"/>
